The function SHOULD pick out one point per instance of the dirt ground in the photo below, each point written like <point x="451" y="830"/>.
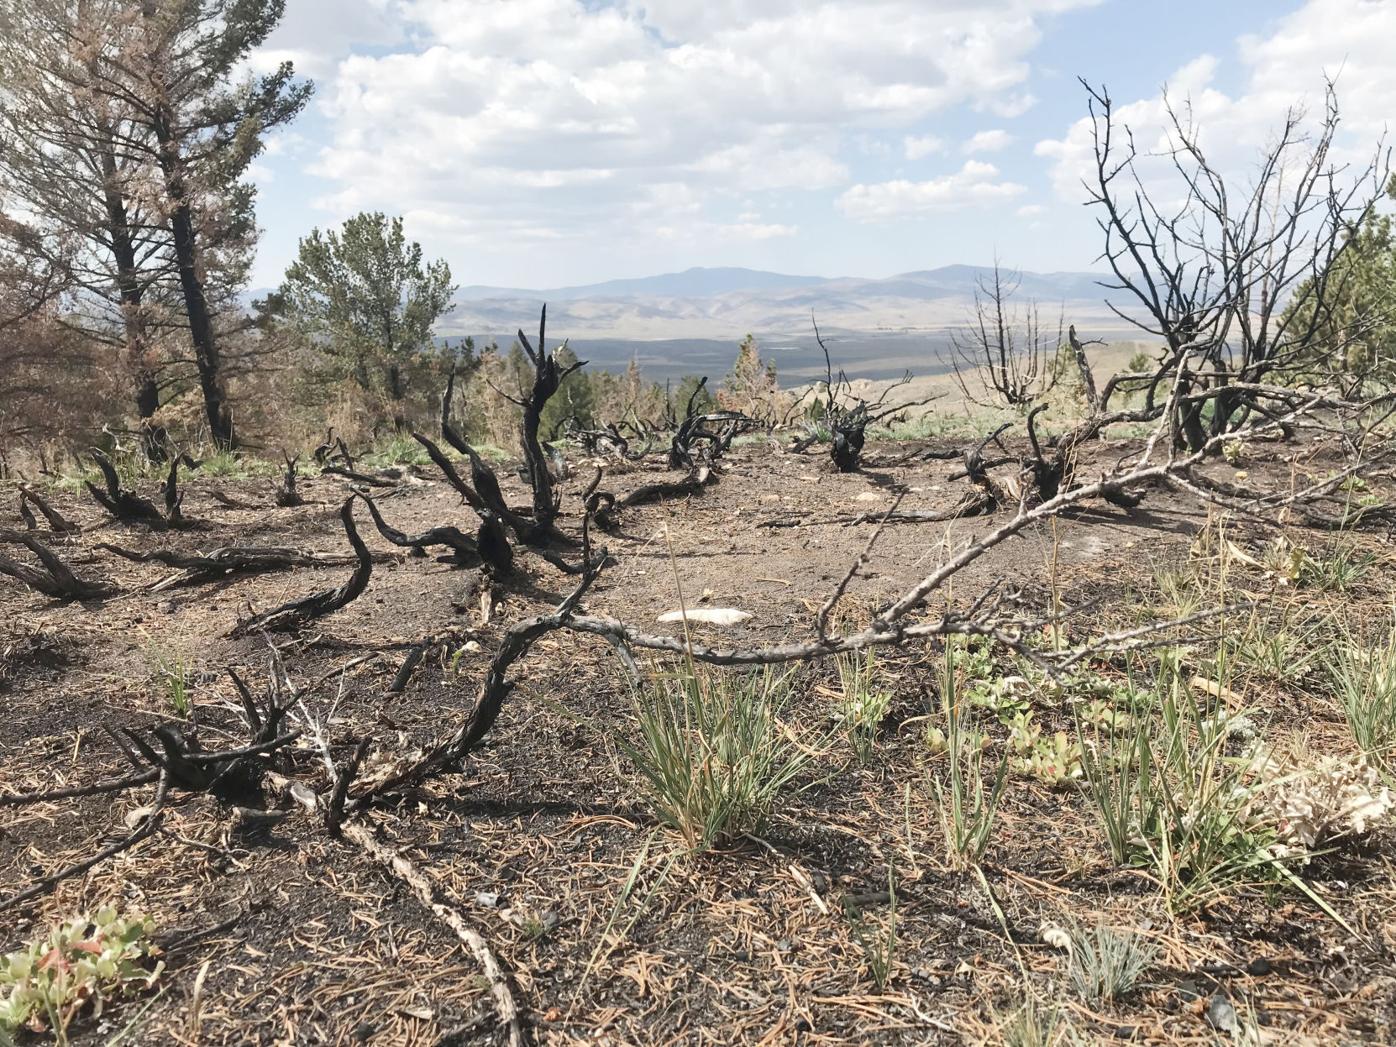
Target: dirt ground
<point x="610" y="933"/>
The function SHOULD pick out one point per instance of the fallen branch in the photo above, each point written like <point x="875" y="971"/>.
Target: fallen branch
<point x="500" y="989"/>
<point x="233" y="559"/>
<point x="666" y="490"/>
<point x="493" y="692"/>
<point x="289" y="617"/>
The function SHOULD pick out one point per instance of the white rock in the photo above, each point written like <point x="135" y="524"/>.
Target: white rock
<point x="707" y="616"/>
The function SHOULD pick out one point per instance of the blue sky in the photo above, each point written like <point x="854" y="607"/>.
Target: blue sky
<point x="537" y="143"/>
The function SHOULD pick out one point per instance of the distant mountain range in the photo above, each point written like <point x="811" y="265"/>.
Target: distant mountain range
<point x="690" y="322"/>
<point x="949" y="281"/>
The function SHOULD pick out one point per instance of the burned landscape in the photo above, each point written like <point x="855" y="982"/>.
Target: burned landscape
<point x="589" y="916"/>
<point x="364" y="686"/>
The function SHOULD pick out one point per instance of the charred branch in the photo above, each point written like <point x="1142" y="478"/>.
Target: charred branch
<point x="53" y="577"/>
<point x="57" y="523"/>
<point x="124" y="505"/>
<point x="669" y="490"/>
<point x="290" y="617"/>
<point x="463" y="548"/>
<point x="199" y="568"/>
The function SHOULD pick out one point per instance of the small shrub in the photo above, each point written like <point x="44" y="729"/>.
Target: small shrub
<point x="80" y="965"/>
<point x="713" y="755"/>
<point x="1105" y="963"/>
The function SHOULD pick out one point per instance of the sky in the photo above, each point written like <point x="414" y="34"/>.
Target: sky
<point x="543" y="143"/>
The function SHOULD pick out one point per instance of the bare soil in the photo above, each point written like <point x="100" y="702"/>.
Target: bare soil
<point x="611" y="933"/>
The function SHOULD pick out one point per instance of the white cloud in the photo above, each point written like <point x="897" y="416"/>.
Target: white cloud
<point x="316" y="34"/>
<point x="1030" y="210"/>
<point x="974" y="184"/>
<point x="518" y="116"/>
<point x="917" y="146"/>
<point x="987" y="141"/>
<point x="1346" y="39"/>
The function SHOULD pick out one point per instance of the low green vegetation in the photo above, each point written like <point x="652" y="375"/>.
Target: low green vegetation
<point x="864" y="704"/>
<point x="1106" y="963"/>
<point x="1172" y="797"/>
<point x="714" y="757"/>
<point x="1364" y="679"/>
<point x="967" y="805"/>
<point x="76" y="968"/>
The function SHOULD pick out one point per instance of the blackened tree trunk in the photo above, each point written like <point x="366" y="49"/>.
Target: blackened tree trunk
<point x="206" y="360"/>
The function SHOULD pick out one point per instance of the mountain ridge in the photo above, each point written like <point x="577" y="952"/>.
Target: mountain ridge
<point x="716" y="281"/>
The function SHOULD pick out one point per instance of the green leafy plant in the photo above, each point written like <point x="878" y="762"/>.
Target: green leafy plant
<point x="1055" y="760"/>
<point x="712" y="754"/>
<point x="79" y="965"/>
<point x="967" y="806"/>
<point x="864" y="704"/>
<point x="1106" y="963"/>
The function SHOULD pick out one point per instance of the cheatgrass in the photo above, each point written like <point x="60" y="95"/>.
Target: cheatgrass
<point x="1035" y="1024"/>
<point x="864" y="703"/>
<point x="968" y="805"/>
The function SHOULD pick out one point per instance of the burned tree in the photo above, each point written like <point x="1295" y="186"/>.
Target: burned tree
<point x="847" y="416"/>
<point x="1236" y="281"/>
<point x="1006" y="351"/>
<point x="702" y="437"/>
<point x="548" y="374"/>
